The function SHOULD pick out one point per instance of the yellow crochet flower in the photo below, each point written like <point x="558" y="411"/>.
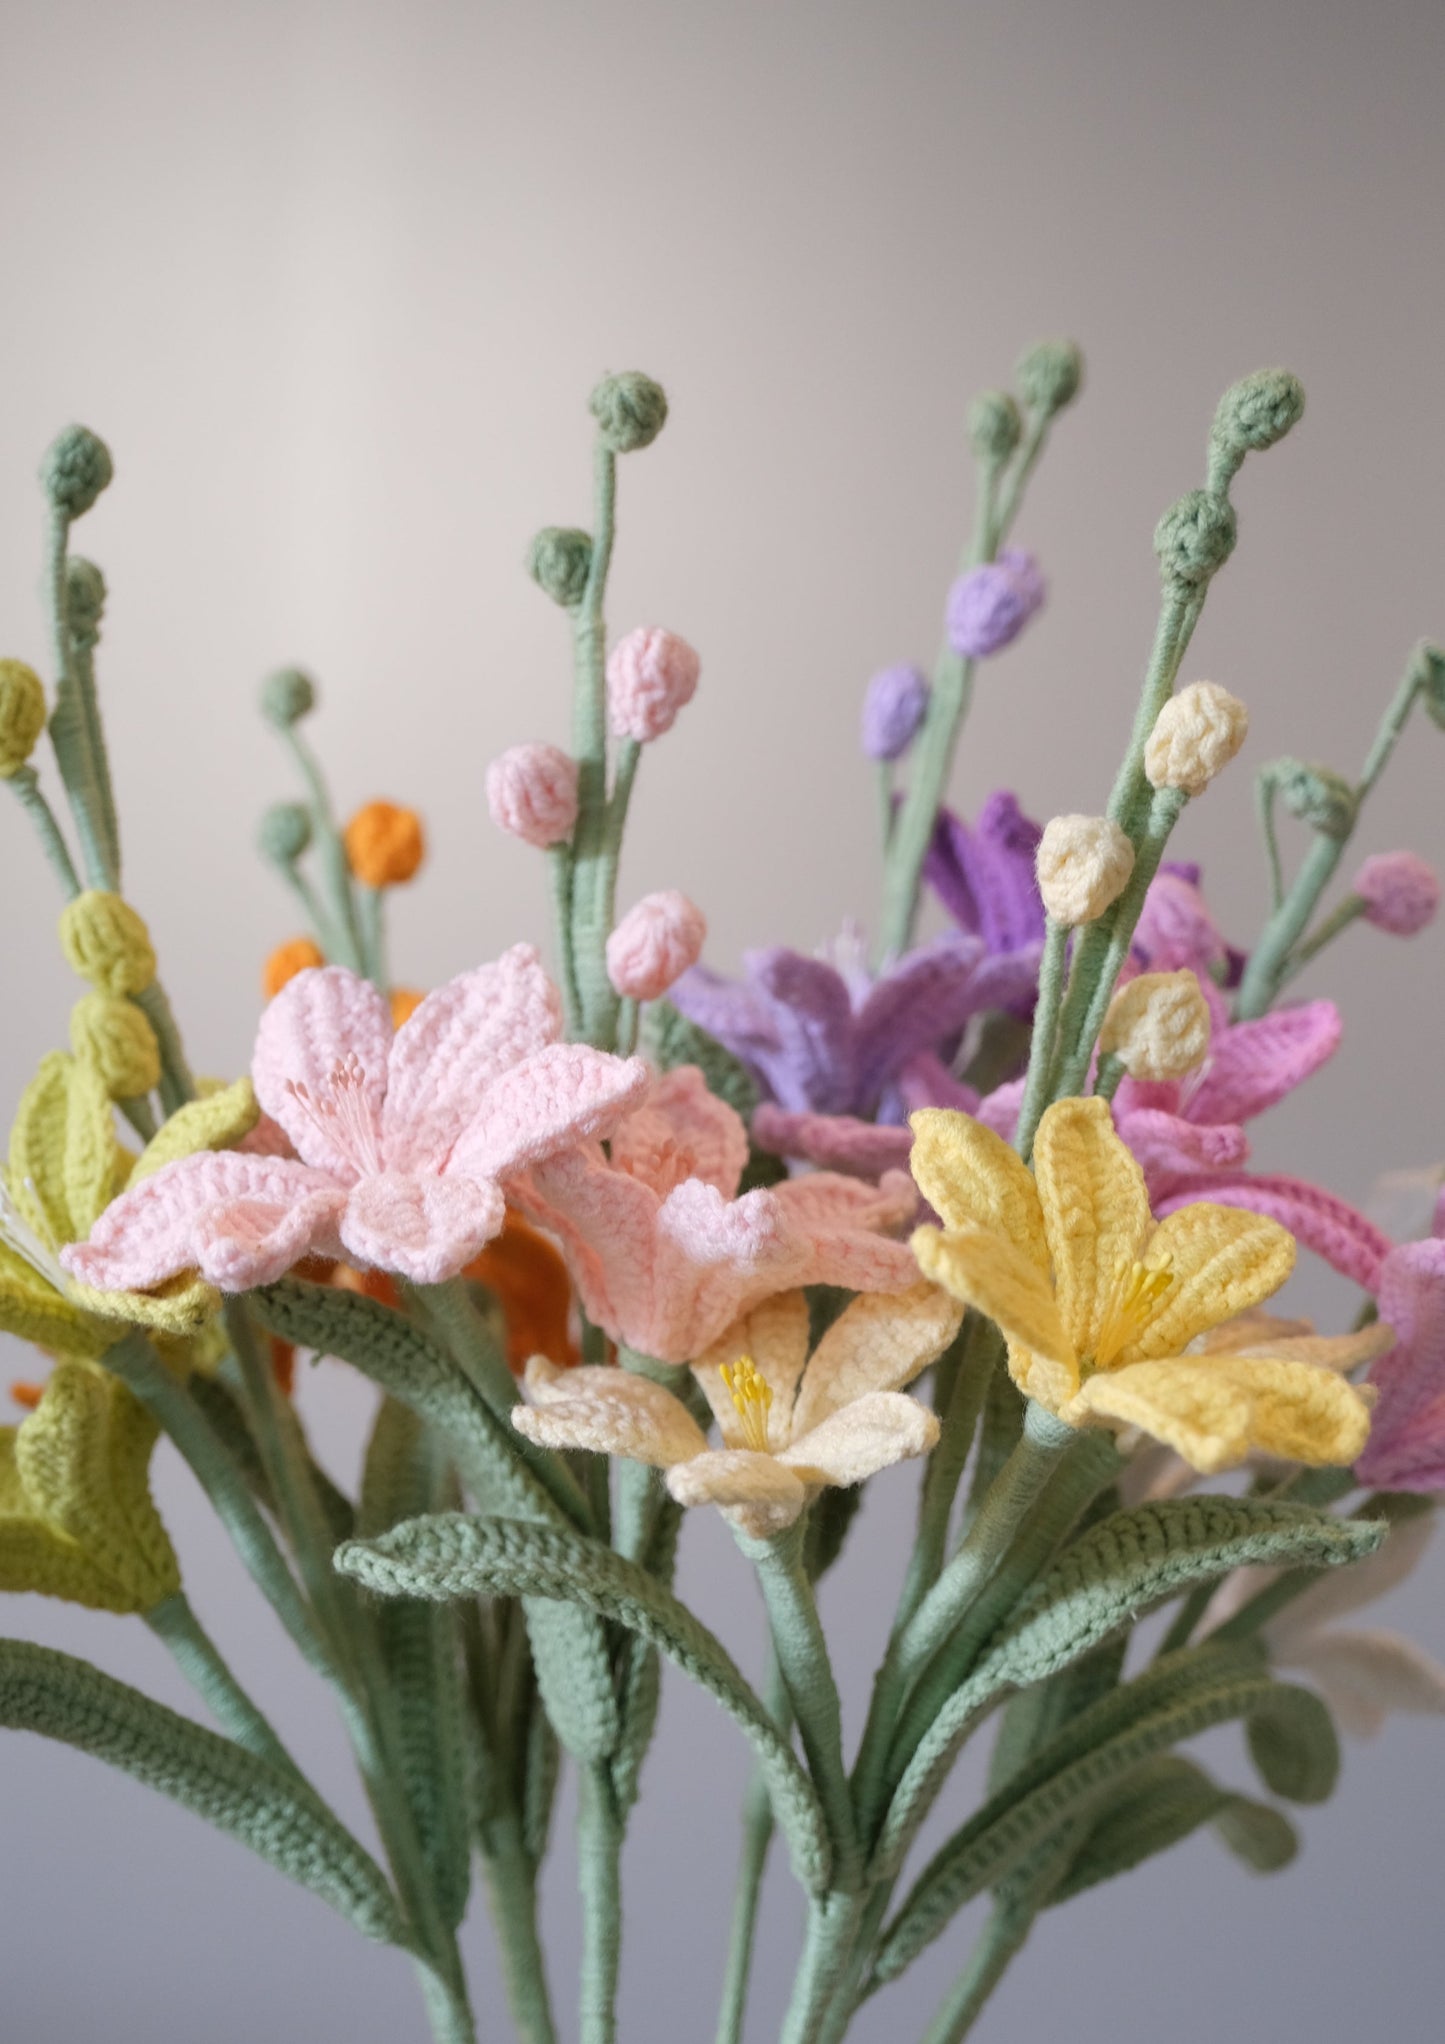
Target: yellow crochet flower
<point x="1098" y="1303"/>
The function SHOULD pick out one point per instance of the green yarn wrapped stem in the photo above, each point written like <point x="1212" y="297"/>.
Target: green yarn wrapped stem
<point x="559" y="870"/>
<point x="448" y="2010"/>
<point x="757" y="1830"/>
<point x="1324" y="933"/>
<point x="834" y="1922"/>
<point x="331" y="852"/>
<point x="371" y="930"/>
<point x="1178" y="615"/>
<point x="597" y="1001"/>
<point x="979" y="1350"/>
<point x="82" y="654"/>
<point x="332" y="942"/>
<point x="599" y="1875"/>
<point x="1043" y="1042"/>
<point x="177" y="1084"/>
<point x="25" y="783"/>
<point x="175" y="1623"/>
<point x="1012" y="1918"/>
<point x="74" y="728"/>
<point x="512" y="1894"/>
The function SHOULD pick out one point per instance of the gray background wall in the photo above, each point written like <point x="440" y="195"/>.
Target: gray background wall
<point x="335" y="281"/>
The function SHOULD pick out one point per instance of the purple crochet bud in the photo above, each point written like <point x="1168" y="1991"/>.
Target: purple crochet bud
<point x="893" y="708"/>
<point x="989" y="607"/>
<point x="1400" y="892"/>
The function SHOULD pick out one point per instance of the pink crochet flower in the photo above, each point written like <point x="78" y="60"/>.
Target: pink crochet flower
<point x="650" y="675"/>
<point x="1400" y="892"/>
<point x="532" y="793"/>
<point x="400" y="1139"/>
<point x="1406" y="1448"/>
<point x="654" y="944"/>
<point x="666" y="1255"/>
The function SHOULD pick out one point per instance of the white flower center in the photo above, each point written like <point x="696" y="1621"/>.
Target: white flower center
<point x="340" y="1112"/>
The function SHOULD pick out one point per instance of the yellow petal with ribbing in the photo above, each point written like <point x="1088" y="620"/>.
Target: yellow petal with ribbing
<point x="1096" y="1212"/>
<point x="987" y="1271"/>
<point x="1215" y="1411"/>
<point x="1223" y="1260"/>
<point x="972" y="1178"/>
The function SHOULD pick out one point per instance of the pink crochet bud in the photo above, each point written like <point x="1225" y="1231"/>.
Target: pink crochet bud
<point x="1400" y="892"/>
<point x="654" y="945"/>
<point x="532" y="793"/>
<point x="650" y="675"/>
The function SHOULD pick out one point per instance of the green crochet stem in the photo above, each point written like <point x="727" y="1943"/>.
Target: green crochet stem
<point x="1010" y="1921"/>
<point x="757" y="1830"/>
<point x="1178" y="615"/>
<point x="177" y="1084"/>
<point x="82" y="653"/>
<point x="1044" y="1040"/>
<point x="599" y="1875"/>
<point x="333" y="944"/>
<point x="597" y="1001"/>
<point x="559" y="871"/>
<point x="25" y="783"/>
<point x="979" y="1351"/>
<point x="331" y="853"/>
<point x="1325" y="932"/>
<point x="75" y="726"/>
<point x="834" y="1923"/>
<point x="371" y="930"/>
<point x="1275" y="956"/>
<point x="883" y="782"/>
<point x="196" y="1655"/>
<point x="512" y="1893"/>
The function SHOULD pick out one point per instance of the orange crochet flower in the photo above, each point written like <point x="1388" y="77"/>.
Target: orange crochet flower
<point x="384" y="844"/>
<point x="529" y="1280"/>
<point x="286" y="961"/>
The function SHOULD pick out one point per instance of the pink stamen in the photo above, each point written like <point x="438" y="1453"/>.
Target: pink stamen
<point x="342" y="1114"/>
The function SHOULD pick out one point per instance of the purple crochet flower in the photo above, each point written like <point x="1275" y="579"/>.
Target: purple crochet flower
<point x="984" y="875"/>
<point x="989" y="606"/>
<point x="828" y="1041"/>
<point x="1406" y="1448"/>
<point x="894" y="706"/>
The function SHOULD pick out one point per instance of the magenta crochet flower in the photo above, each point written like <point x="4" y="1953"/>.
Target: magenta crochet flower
<point x="401" y="1140"/>
<point x="664" y="1253"/>
<point x="1406" y="1448"/>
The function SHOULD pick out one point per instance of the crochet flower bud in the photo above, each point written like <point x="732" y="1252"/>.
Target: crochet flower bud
<point x="1316" y="795"/>
<point x="284" y="832"/>
<point x="630" y="410"/>
<point x="105" y="941"/>
<point x="994" y="426"/>
<point x="894" y="706"/>
<point x="22" y="715"/>
<point x="1083" y="866"/>
<point x="532" y="793"/>
<point x="76" y="468"/>
<point x="1430" y="673"/>
<point x="1049" y="375"/>
<point x="559" y="561"/>
<point x="989" y="606"/>
<point x="385" y="844"/>
<point x="299" y="955"/>
<point x="113" y="1037"/>
<point x="1194" y="539"/>
<point x="287" y="696"/>
<point x="1400" y="892"/>
<point x="1252" y="415"/>
<point x="654" y="944"/>
<point x="1158" y="1026"/>
<point x="1195" y="736"/>
<point x="650" y="675"/>
<point x="84" y="600"/>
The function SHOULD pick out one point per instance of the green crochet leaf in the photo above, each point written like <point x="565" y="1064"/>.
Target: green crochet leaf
<point x="453" y="1556"/>
<point x="1163" y="1803"/>
<point x="669" y="1039"/>
<point x="214" y="1122"/>
<point x="276" y="1815"/>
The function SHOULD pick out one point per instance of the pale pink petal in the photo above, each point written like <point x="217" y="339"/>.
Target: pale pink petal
<point x="266" y="1138"/>
<point x="610" y="1411"/>
<point x="1170" y="1149"/>
<point x="714" y="1259"/>
<point x="425" y="1229"/>
<point x="606" y="1223"/>
<point x="1334" y="1230"/>
<point x="456" y="1044"/>
<point x="842" y="1221"/>
<point x="835" y="1142"/>
<point x="253" y="1242"/>
<point x="320" y="1020"/>
<point x="555" y="1098"/>
<point x="1254" y="1064"/>
<point x="683" y="1131"/>
<point x="194" y="1205"/>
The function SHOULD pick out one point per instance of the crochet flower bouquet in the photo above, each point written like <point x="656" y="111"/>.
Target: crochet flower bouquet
<point x="633" y="1237"/>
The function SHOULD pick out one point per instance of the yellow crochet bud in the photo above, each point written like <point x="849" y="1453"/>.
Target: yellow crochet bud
<point x="1197" y="733"/>
<point x="111" y="1036"/>
<point x="1083" y="866"/>
<point x="105" y="941"/>
<point x="22" y="715"/>
<point x="1158" y="1026"/>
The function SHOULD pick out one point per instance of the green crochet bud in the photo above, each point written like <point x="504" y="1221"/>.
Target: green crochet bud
<point x="22" y="715"/>
<point x="84" y="600"/>
<point x="76" y="468"/>
<point x="994" y="426"/>
<point x="1430" y="679"/>
<point x="1050" y="375"/>
<point x="105" y="941"/>
<point x="284" y="832"/>
<point x="110" y="1035"/>
<point x="559" y="561"/>
<point x="1194" y="539"/>
<point x="1317" y="795"/>
<point x="1252" y="415"/>
<point x="630" y="410"/>
<point x="287" y="696"/>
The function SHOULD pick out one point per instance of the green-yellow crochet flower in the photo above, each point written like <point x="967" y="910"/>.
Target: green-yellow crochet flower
<point x="65" y="1167"/>
<point x="1098" y="1304"/>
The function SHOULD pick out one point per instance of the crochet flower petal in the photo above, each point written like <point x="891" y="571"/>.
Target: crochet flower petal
<point x="612" y="1411"/>
<point x="455" y="1046"/>
<point x="759" y="1493"/>
<point x="425" y="1229"/>
<point x="606" y="1223"/>
<point x="1254" y="1064"/>
<point x="775" y="1335"/>
<point x="555" y="1098"/>
<point x="1222" y="1261"/>
<point x="1363" y="1676"/>
<point x="972" y="1178"/>
<point x="926" y="1081"/>
<point x="1214" y="1411"/>
<point x="1096" y="1213"/>
<point x="839" y="1226"/>
<point x="876" y="1344"/>
<point x="320" y="1020"/>
<point x="35" y="1311"/>
<point x="683" y="1131"/>
<point x="1407" y="1444"/>
<point x="834" y="1142"/>
<point x="813" y="1017"/>
<point x="733" y="1013"/>
<point x="183" y="1217"/>
<point x="860" y="1439"/>
<point x="1334" y="1230"/>
<point x="919" y="1002"/>
<point x="1171" y="1150"/>
<point x="986" y="1271"/>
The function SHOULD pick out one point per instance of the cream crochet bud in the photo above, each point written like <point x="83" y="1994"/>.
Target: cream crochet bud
<point x="1158" y="1026"/>
<point x="1083" y="864"/>
<point x="1197" y="733"/>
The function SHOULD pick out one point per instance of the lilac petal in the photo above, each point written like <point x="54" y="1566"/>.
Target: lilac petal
<point x="926" y="1081"/>
<point x="1254" y="1064"/>
<point x="425" y="1229"/>
<point x="999" y="861"/>
<point x="319" y="1022"/>
<point x="835" y="1142"/>
<point x="564" y="1094"/>
<point x="945" y="870"/>
<point x="1009" y="980"/>
<point x="1334" y="1230"/>
<point x="813" y="1017"/>
<point x="916" y="1005"/>
<point x="728" y="1010"/>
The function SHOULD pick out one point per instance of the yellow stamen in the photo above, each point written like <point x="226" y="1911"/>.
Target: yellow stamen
<point x="752" y="1395"/>
<point x="1137" y="1292"/>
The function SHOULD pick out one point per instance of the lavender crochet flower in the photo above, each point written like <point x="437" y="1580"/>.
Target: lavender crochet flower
<point x="989" y="606"/>
<point x="894" y="707"/>
<point x="984" y="876"/>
